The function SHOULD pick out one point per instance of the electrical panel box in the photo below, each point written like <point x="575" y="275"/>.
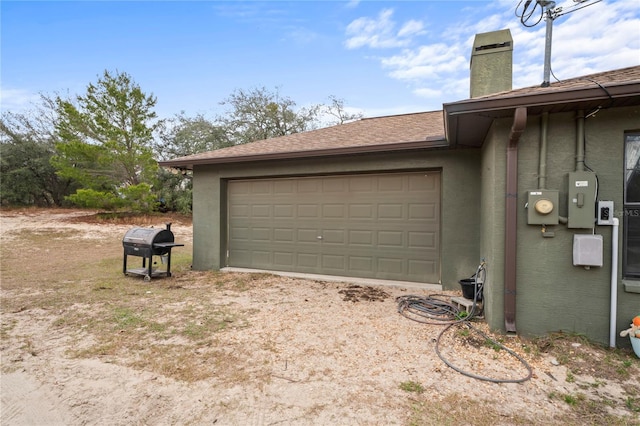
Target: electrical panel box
<point x="582" y="200"/>
<point x="542" y="207"/>
<point x="605" y="213"/>
<point x="587" y="250"/>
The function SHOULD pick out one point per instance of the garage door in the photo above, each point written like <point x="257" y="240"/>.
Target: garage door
<point x="383" y="226"/>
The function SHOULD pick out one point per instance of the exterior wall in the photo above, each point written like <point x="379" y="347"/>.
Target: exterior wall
<point x="552" y="294"/>
<point x="460" y="227"/>
<point x="492" y="213"/>
<point x="208" y="213"/>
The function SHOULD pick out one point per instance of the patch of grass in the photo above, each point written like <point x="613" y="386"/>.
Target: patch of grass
<point x="159" y="329"/>
<point x="458" y="409"/>
<point x="489" y="343"/>
<point x="464" y="332"/>
<point x="624" y="369"/>
<point x="411" y="386"/>
<point x="125" y="318"/>
<point x="580" y="355"/>
<point x="573" y="399"/>
<point x="6" y="326"/>
<point x="462" y="314"/>
<point x="633" y="404"/>
<point x="530" y="349"/>
<point x="590" y="411"/>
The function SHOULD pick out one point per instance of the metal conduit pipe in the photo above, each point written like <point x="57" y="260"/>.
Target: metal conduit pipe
<point x="511" y="211"/>
<point x="580" y="141"/>
<point x="542" y="161"/>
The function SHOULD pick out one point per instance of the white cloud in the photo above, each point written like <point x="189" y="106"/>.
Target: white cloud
<point x="599" y="37"/>
<point x="16" y="99"/>
<point x="352" y="4"/>
<point x="425" y="62"/>
<point x="411" y="28"/>
<point x="381" y="32"/>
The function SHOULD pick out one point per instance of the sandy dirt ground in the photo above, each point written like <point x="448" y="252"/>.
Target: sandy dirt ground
<point x="309" y="353"/>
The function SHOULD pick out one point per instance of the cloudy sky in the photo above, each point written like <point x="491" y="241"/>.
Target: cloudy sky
<point x="380" y="57"/>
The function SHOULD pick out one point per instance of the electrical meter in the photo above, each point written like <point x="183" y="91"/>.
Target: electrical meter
<point x="542" y="207"/>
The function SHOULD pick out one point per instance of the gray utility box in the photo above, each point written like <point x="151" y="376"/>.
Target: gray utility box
<point x="582" y="200"/>
<point x="542" y="207"/>
<point x="587" y="250"/>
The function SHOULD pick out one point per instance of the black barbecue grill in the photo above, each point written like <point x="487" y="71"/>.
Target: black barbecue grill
<point x="146" y="243"/>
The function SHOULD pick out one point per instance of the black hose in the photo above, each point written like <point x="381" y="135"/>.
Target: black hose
<point x="475" y="376"/>
<point x="428" y="310"/>
<point x="433" y="310"/>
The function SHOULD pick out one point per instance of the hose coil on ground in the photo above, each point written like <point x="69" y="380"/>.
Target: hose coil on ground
<point x="434" y="310"/>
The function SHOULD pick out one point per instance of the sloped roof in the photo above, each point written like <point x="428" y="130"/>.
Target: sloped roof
<point x="467" y="121"/>
<point x="390" y="133"/>
<point x="464" y="123"/>
<point x="606" y="78"/>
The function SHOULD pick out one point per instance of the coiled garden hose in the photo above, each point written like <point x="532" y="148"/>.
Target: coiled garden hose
<point x="433" y="310"/>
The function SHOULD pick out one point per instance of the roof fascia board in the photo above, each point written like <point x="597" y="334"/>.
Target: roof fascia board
<point x="428" y="143"/>
<point x="472" y="106"/>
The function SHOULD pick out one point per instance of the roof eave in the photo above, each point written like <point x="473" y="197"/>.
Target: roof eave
<point x="478" y="114"/>
<point x="428" y="143"/>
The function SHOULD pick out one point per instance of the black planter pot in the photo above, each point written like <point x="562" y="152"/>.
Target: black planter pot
<point x="468" y="288"/>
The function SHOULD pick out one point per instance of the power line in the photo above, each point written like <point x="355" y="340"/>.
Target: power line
<point x="547" y="9"/>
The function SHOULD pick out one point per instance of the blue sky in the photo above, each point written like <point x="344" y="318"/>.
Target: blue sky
<point x="380" y="57"/>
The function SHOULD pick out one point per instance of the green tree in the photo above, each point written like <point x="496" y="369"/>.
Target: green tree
<point x="26" y="146"/>
<point x="259" y="114"/>
<point x="184" y="135"/>
<point x="175" y="190"/>
<point x="181" y="136"/>
<point x="105" y="141"/>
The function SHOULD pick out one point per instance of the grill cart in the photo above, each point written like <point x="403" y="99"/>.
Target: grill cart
<point x="146" y="243"/>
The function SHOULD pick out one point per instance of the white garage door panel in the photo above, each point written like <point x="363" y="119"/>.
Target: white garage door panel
<point x="383" y="226"/>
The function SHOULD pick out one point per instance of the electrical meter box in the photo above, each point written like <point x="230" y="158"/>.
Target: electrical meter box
<point x="542" y="207"/>
<point x="582" y="200"/>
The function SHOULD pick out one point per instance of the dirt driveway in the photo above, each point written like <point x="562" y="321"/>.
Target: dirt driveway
<point x="83" y="344"/>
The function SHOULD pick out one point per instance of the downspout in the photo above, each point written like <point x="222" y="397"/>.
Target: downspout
<point x="511" y="211"/>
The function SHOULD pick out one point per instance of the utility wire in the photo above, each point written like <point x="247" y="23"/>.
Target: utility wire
<point x="525" y="15"/>
<point x="525" y="12"/>
<point x="579" y="5"/>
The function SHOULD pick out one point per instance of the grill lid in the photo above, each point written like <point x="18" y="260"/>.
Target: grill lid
<point x="147" y="236"/>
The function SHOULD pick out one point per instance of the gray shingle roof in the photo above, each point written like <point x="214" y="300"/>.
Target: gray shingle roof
<point x="419" y="130"/>
<point x="394" y="132"/>
<point x="606" y="78"/>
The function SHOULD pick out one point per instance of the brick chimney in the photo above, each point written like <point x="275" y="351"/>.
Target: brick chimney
<point x="491" y="63"/>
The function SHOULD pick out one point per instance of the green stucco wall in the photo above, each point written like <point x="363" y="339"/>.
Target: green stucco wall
<point x="460" y="230"/>
<point x="552" y="294"/>
<point x="492" y="214"/>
